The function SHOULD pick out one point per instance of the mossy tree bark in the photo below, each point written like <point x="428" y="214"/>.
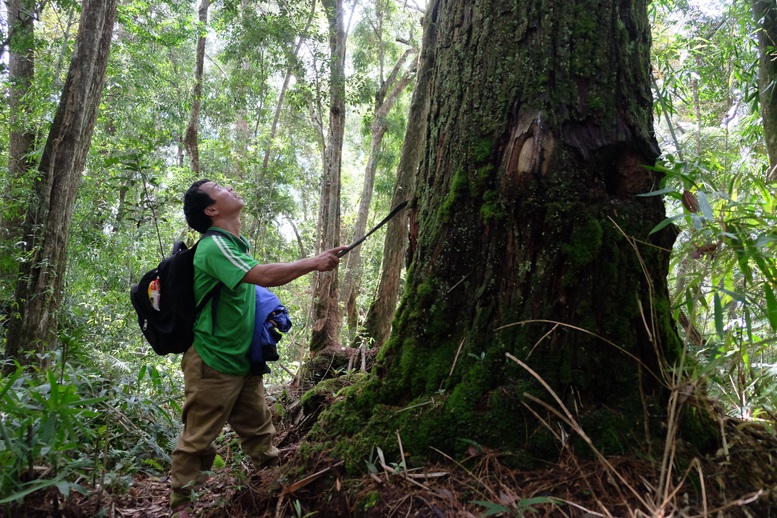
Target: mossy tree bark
<point x="531" y="242"/>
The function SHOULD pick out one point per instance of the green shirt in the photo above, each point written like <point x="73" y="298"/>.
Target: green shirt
<point x="224" y="345"/>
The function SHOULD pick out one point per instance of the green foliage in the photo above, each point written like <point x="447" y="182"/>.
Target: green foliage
<point x="62" y="428"/>
<point x="518" y="509"/>
<point x="167" y="23"/>
<point x="723" y="270"/>
<point x="108" y="408"/>
<point x="299" y="512"/>
<point x="42" y="421"/>
<point x="375" y="48"/>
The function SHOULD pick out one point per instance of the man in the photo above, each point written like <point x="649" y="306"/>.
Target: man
<point x="218" y="381"/>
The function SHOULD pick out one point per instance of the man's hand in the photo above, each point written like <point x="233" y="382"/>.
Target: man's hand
<point x="328" y="259"/>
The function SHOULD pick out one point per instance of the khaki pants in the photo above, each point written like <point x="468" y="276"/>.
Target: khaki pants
<point x="213" y="399"/>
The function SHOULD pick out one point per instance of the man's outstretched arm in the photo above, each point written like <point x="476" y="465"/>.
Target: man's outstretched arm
<point x="278" y="274"/>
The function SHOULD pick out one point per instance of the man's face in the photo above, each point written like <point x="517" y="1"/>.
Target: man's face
<point x="226" y="200"/>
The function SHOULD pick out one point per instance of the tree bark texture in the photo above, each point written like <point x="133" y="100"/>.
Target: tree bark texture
<point x="21" y="138"/>
<point x="47" y="222"/>
<point x="531" y="242"/>
<point x="326" y="322"/>
<point x="765" y="14"/>
<point x="192" y="129"/>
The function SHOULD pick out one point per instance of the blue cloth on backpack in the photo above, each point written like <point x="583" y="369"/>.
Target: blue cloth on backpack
<point x="272" y="319"/>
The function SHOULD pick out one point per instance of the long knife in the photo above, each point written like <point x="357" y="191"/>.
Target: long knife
<point x="365" y="236"/>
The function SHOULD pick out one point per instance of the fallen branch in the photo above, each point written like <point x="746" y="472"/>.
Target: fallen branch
<point x="307" y="480"/>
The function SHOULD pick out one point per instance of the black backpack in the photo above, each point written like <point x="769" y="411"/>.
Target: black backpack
<point x="164" y="301"/>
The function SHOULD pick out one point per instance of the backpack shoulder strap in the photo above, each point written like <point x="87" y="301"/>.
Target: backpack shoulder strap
<point x="212" y="294"/>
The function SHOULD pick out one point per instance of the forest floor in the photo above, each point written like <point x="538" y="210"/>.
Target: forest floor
<point x="738" y="480"/>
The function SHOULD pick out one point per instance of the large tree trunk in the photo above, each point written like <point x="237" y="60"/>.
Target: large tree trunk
<point x="532" y="245"/>
<point x="325" y="313"/>
<point x="385" y="99"/>
<point x="377" y="324"/>
<point x="765" y="13"/>
<point x="47" y="222"/>
<point x="21" y="138"/>
<point x="192" y="129"/>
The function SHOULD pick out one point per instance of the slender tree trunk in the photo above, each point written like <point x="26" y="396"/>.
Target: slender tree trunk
<point x="265" y="185"/>
<point x="533" y="252"/>
<point x="697" y="109"/>
<point x="385" y="101"/>
<point x="377" y="324"/>
<point x="300" y="242"/>
<point x="21" y="138"/>
<point x="282" y="94"/>
<point x="47" y="222"/>
<point x="325" y="312"/>
<point x="765" y="13"/>
<point x="71" y="14"/>
<point x="352" y="277"/>
<point x="181" y="152"/>
<point x="192" y="129"/>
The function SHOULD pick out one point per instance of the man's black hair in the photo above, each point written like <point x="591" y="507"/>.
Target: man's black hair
<point x="195" y="201"/>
